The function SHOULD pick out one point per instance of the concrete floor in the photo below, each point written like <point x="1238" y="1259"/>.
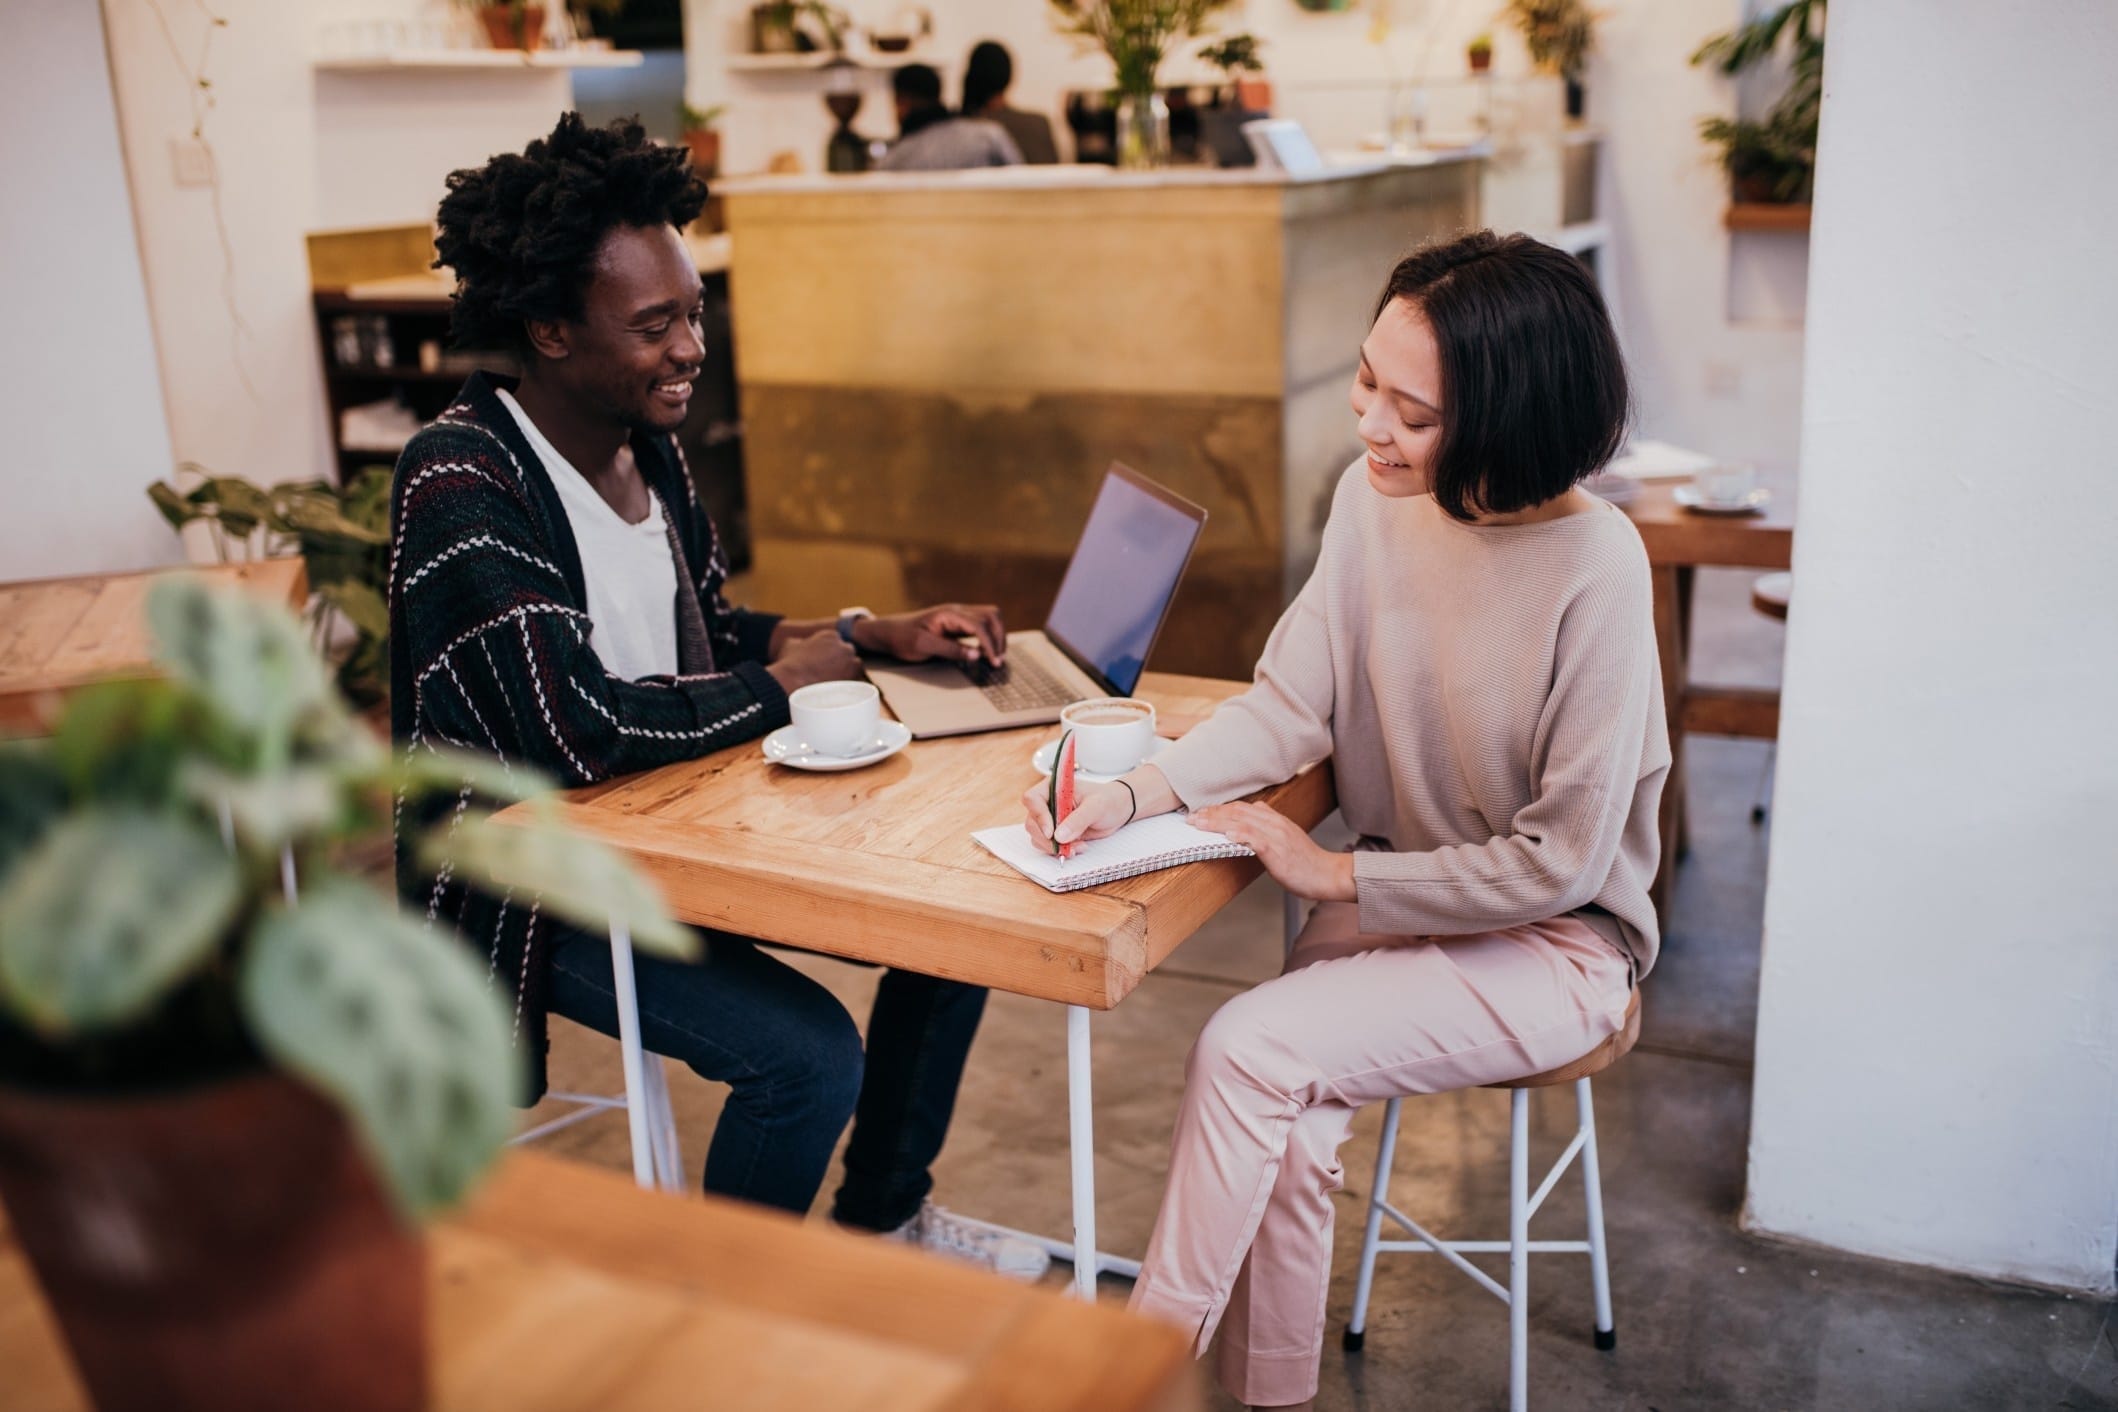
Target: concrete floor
<point x="1708" y="1317"/>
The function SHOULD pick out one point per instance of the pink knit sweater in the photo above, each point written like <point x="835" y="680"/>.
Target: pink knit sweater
<point x="1491" y="699"/>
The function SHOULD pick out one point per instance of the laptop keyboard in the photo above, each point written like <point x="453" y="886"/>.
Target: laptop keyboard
<point x="1022" y="683"/>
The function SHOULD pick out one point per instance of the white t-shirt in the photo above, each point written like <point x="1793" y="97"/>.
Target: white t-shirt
<point x="630" y="574"/>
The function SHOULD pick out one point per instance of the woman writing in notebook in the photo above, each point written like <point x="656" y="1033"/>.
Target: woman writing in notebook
<point x="1475" y="652"/>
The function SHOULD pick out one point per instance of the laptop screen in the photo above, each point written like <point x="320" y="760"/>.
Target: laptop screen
<point x="1123" y="575"/>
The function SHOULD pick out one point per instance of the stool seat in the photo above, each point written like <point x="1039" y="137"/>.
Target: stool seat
<point x="1770" y="593"/>
<point x="1595" y="1061"/>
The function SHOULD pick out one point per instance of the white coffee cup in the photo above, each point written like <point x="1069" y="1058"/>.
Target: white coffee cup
<point x="1111" y="733"/>
<point x="1727" y="485"/>
<point x="839" y="718"/>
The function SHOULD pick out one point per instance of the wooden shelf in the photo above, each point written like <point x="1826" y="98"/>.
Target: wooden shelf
<point x="1760" y="215"/>
<point x="483" y="60"/>
<point x="812" y="60"/>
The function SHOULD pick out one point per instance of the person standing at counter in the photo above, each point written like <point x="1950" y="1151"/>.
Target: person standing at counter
<point x="985" y="95"/>
<point x="1475" y="652"/>
<point x="556" y="600"/>
<point x="932" y="139"/>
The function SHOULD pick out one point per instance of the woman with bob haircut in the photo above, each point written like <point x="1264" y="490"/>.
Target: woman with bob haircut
<point x="1475" y="652"/>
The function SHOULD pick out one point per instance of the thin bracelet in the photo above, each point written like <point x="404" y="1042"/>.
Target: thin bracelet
<point x="1134" y="798"/>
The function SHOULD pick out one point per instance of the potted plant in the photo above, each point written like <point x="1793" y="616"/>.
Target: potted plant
<point x="1479" y="53"/>
<point x="510" y="24"/>
<point x="702" y="137"/>
<point x="343" y="536"/>
<point x="776" y="28"/>
<point x="1559" y="35"/>
<point x="1236" y="56"/>
<point x="1137" y="34"/>
<point x="1773" y="158"/>
<point x="234" y="1075"/>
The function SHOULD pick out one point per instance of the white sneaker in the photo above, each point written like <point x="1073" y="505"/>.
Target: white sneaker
<point x="942" y="1231"/>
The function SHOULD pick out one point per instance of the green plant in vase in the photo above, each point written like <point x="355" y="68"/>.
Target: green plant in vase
<point x="1137" y="35"/>
<point x="1559" y="35"/>
<point x="234" y="1074"/>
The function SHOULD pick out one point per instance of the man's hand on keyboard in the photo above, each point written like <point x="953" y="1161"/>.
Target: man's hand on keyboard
<point x="951" y="632"/>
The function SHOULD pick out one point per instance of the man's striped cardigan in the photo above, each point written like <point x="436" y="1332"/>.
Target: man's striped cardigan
<point x="489" y="651"/>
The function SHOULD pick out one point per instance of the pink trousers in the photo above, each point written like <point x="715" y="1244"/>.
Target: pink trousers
<point x="1243" y="1241"/>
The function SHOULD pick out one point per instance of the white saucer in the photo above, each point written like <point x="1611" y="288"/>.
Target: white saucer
<point x="1689" y="497"/>
<point x="1041" y="760"/>
<point x="785" y="747"/>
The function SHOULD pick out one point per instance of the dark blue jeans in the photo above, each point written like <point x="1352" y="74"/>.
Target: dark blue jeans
<point x="792" y="1059"/>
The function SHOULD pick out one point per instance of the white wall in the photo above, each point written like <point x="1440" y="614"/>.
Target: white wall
<point x="1937" y="1066"/>
<point x="1711" y="321"/>
<point x="79" y="397"/>
<point x="296" y="151"/>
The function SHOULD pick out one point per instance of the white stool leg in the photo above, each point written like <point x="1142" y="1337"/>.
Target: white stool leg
<point x="1519" y="1250"/>
<point x="637" y="1116"/>
<point x="1357" y="1328"/>
<point x="662" y="1123"/>
<point x="1592" y="1182"/>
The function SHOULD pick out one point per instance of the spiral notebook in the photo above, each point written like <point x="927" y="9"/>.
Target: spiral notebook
<point x="1145" y="847"/>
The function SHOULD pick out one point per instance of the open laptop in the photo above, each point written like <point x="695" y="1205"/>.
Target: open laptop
<point x="1103" y="623"/>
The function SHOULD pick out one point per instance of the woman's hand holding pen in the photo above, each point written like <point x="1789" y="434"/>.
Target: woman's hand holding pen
<point x="1100" y="810"/>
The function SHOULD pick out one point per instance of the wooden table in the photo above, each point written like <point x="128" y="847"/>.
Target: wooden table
<point x="564" y="1287"/>
<point x="1679" y="542"/>
<point x="60" y="634"/>
<point x="878" y="865"/>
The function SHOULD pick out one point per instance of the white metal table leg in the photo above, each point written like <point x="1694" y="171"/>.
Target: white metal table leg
<point x="1592" y="1181"/>
<point x="1081" y="1149"/>
<point x="636" y="1106"/>
<point x="1519" y="1250"/>
<point x="662" y="1123"/>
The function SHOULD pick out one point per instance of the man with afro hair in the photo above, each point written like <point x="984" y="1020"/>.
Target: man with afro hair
<point x="556" y="600"/>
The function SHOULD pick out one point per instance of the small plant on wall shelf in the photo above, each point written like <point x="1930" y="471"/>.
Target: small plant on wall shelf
<point x="1479" y="53"/>
<point x="1772" y="159"/>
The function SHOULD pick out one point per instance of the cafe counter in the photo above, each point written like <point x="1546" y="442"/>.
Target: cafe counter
<point x="935" y="369"/>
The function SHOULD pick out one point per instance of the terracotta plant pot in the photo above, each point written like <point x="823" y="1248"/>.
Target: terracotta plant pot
<point x="1480" y="60"/>
<point x="509" y="28"/>
<point x="705" y="145"/>
<point x="220" y="1247"/>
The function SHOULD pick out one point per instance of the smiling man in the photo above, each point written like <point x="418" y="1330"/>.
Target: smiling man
<point x="556" y="599"/>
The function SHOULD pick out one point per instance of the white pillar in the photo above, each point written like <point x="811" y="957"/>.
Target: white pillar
<point x="1937" y="1075"/>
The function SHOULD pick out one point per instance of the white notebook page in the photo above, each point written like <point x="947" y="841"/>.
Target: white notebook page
<point x="1144" y="847"/>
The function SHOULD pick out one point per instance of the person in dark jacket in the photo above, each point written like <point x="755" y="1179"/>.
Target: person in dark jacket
<point x="556" y="600"/>
<point x="986" y="77"/>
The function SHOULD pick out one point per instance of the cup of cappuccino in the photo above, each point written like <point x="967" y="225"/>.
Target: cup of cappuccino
<point x="841" y="718"/>
<point x="1111" y="733"/>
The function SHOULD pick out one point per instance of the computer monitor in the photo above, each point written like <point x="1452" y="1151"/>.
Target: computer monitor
<point x="1124" y="574"/>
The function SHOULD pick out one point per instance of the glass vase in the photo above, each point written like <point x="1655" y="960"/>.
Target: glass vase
<point x="1143" y="131"/>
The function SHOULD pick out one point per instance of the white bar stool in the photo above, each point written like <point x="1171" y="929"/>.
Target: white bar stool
<point x="657" y="1161"/>
<point x="1521" y="1206"/>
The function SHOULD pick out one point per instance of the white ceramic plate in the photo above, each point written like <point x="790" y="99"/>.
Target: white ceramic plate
<point x="1689" y="497"/>
<point x="786" y="747"/>
<point x="1042" y="757"/>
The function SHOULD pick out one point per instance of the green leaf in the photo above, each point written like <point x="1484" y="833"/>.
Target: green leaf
<point x="271" y="810"/>
<point x="248" y="656"/>
<point x="32" y="797"/>
<point x="175" y="508"/>
<point x="362" y="605"/>
<point x="574" y="876"/>
<point x="318" y="517"/>
<point x="125" y="740"/>
<point x="439" y="770"/>
<point x="398" y="1024"/>
<point x="109" y="911"/>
